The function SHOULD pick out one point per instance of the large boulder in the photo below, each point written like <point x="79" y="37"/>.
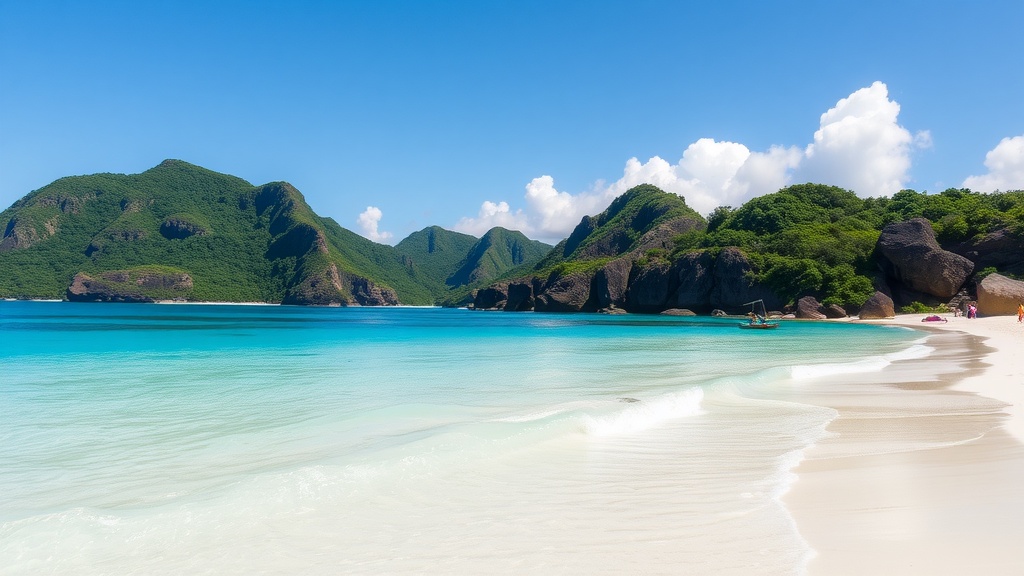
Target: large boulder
<point x="877" y="306"/>
<point x="911" y="255"/>
<point x="999" y="295"/>
<point x="809" y="308"/>
<point x="834" y="311"/>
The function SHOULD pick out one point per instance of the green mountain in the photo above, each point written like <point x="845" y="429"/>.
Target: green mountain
<point x="434" y="254"/>
<point x="228" y="240"/>
<point x="644" y="215"/>
<point x="497" y="252"/>
<point x="452" y="264"/>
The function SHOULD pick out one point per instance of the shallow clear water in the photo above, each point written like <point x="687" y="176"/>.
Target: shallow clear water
<point x="233" y="439"/>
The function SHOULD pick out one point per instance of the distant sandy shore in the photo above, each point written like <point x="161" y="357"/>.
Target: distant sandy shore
<point x="924" y="471"/>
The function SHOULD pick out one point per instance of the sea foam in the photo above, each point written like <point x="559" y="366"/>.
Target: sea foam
<point x="646" y="414"/>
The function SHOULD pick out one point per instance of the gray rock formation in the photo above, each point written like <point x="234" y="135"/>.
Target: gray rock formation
<point x="999" y="295"/>
<point x="910" y="254"/>
<point x="877" y="306"/>
<point x="126" y="286"/>
<point x="809" y="308"/>
<point x="834" y="311"/>
<point x="565" y="293"/>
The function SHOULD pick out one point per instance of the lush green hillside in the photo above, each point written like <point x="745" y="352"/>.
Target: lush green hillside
<point x="621" y="228"/>
<point x="497" y="252"/>
<point x="237" y="242"/>
<point x="434" y="254"/>
<point x="181" y="231"/>
<point x="813" y="239"/>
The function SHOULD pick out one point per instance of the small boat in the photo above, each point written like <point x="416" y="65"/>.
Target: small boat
<point x="758" y="319"/>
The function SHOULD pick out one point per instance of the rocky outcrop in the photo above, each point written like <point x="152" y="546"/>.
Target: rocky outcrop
<point x="569" y="293"/>
<point x="491" y="298"/>
<point x="128" y="286"/>
<point x="878" y="306"/>
<point x="334" y="288"/>
<point x="650" y="286"/>
<point x="910" y="254"/>
<point x="695" y="280"/>
<point x="520" y="297"/>
<point x="999" y="295"/>
<point x="809" y="308"/>
<point x="178" y="228"/>
<point x="734" y="285"/>
<point x="367" y="293"/>
<point x="21" y="233"/>
<point x="611" y="283"/>
<point x="1000" y="249"/>
<point x="678" y="312"/>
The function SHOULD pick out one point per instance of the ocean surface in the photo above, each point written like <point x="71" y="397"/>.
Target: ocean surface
<point x="216" y="439"/>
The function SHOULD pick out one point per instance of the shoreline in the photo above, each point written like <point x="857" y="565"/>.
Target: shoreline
<point x="922" y="468"/>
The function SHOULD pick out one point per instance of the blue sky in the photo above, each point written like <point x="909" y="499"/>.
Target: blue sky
<point x="391" y="116"/>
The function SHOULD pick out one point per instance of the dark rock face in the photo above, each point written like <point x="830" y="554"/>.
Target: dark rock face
<point x="124" y="286"/>
<point x="694" y="274"/>
<point x="999" y="295"/>
<point x="732" y="284"/>
<point x="910" y="254"/>
<point x="650" y="286"/>
<point x="612" y="282"/>
<point x="520" y="297"/>
<point x="698" y="281"/>
<point x="877" y="306"/>
<point x="809" y="308"/>
<point x="1000" y="249"/>
<point x="565" y="294"/>
<point x="491" y="298"/>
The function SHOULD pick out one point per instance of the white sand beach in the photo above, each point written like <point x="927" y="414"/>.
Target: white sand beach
<point x="924" y="472"/>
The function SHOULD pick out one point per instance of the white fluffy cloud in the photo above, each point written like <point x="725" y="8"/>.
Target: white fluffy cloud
<point x="368" y="222"/>
<point x="859" y="145"/>
<point x="1005" y="165"/>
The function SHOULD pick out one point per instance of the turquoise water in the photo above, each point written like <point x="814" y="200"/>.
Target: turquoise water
<point x="228" y="439"/>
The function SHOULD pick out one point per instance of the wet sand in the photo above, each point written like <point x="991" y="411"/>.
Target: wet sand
<point x="924" y="470"/>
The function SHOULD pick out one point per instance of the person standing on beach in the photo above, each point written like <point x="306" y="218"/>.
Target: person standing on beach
<point x="1020" y="312"/>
